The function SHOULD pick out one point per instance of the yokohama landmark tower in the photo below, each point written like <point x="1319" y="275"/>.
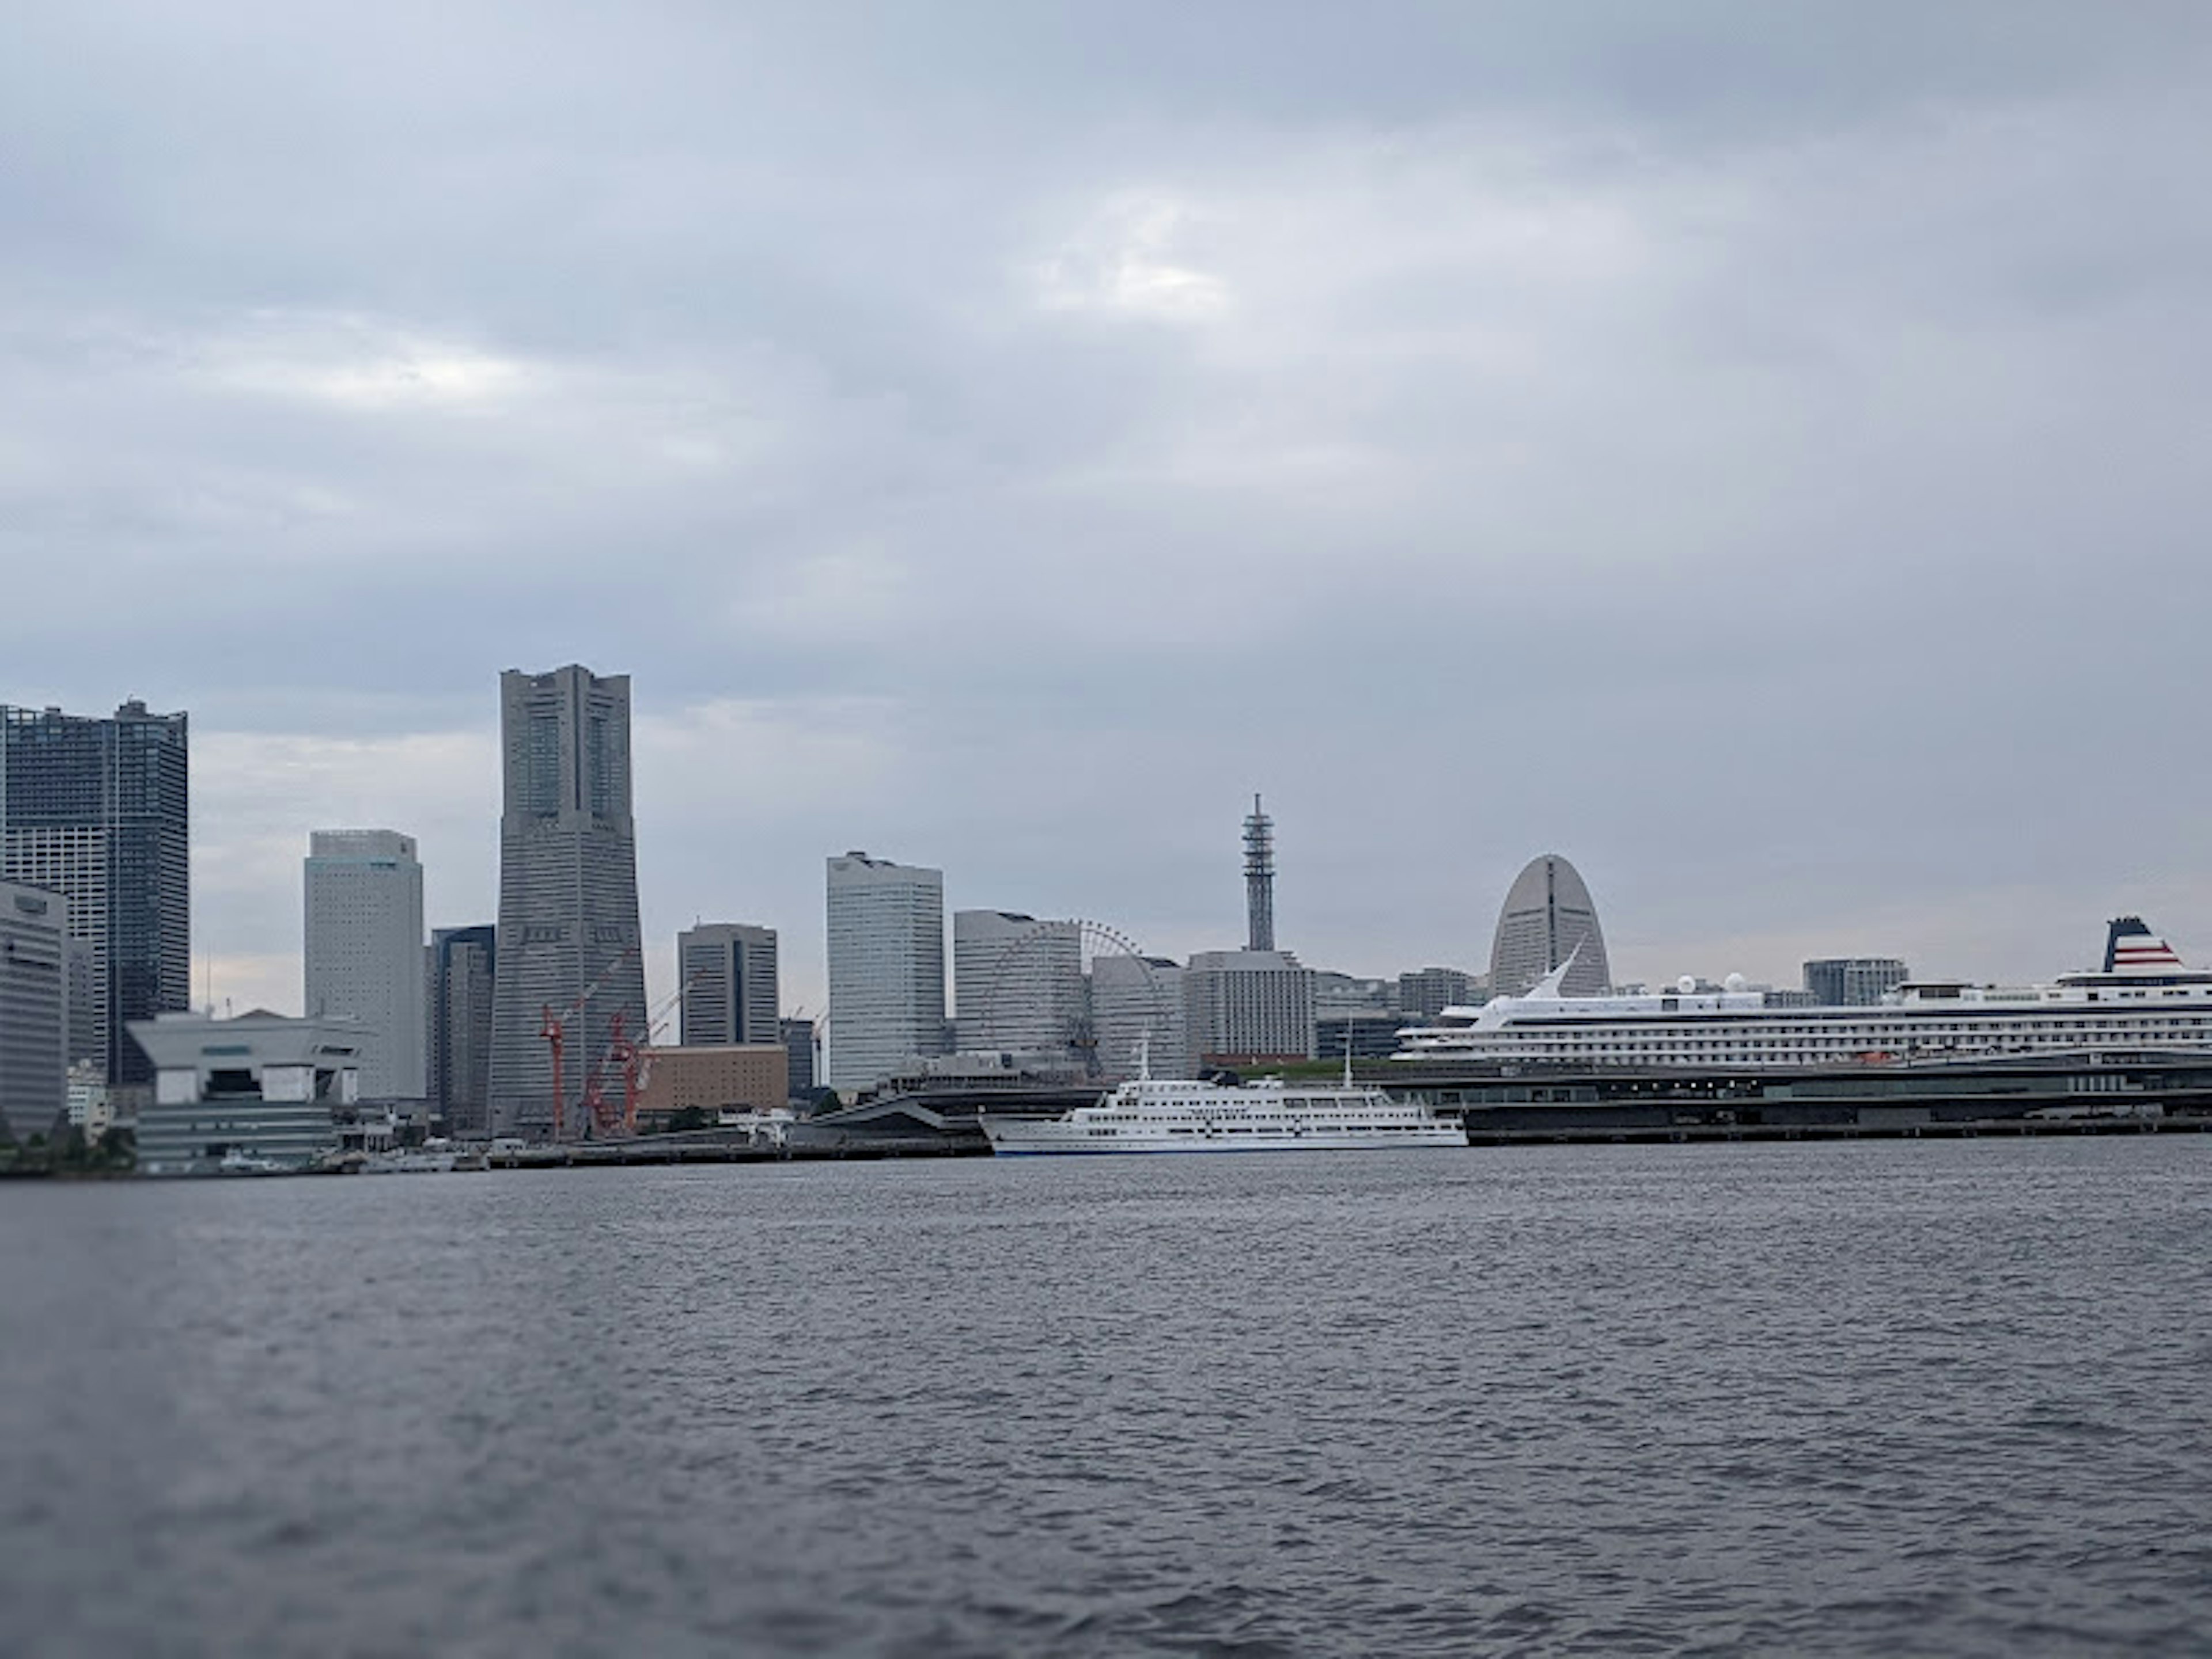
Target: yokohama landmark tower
<point x="567" y="893"/>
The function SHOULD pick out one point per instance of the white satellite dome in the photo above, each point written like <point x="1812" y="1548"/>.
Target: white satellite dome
<point x="1735" y="983"/>
<point x="1686" y="984"/>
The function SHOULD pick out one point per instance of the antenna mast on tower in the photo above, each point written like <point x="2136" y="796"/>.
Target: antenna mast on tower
<point x="1260" y="878"/>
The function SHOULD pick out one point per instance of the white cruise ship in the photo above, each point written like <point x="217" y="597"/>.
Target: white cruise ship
<point x="1151" y="1115"/>
<point x="2145" y="999"/>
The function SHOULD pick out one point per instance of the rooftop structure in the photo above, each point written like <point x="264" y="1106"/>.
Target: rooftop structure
<point x="1548" y="917"/>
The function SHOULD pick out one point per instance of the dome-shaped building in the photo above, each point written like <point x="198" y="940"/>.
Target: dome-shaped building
<point x="1549" y="915"/>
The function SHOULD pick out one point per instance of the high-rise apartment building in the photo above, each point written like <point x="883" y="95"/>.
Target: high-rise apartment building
<point x="1137" y="1015"/>
<point x="364" y="950"/>
<point x="1852" y="981"/>
<point x="729" y="975"/>
<point x="34" y="1010"/>
<point x="567" y="889"/>
<point x="886" y="950"/>
<point x="1017" y="982"/>
<point x="1548" y="918"/>
<point x="95" y="810"/>
<point x="464" y="968"/>
<point x="1241" y="1005"/>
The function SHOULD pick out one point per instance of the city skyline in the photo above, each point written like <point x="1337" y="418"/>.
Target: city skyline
<point x="1765" y="957"/>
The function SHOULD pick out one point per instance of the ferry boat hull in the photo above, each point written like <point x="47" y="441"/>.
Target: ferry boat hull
<point x="1031" y="1137"/>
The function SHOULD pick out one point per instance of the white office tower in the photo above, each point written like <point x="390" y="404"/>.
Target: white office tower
<point x="1246" y="1005"/>
<point x="886" y="938"/>
<point x="34" y="1010"/>
<point x="364" y="951"/>
<point x="1549" y="918"/>
<point x="1136" y="1009"/>
<point x="727" y="972"/>
<point x="569" y="944"/>
<point x="1017" y="982"/>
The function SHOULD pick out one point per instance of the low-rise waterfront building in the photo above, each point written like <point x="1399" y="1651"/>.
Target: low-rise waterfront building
<point x="263" y="1088"/>
<point x="719" y="1078"/>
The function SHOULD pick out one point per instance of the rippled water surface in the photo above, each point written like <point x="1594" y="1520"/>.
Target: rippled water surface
<point x="1938" y="1397"/>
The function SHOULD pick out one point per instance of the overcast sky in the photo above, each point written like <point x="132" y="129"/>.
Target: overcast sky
<point x="1758" y="451"/>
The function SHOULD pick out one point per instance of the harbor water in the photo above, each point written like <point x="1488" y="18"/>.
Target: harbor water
<point x="1864" y="1398"/>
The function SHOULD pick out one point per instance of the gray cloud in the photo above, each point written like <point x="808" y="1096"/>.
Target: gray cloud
<point x="1754" y="453"/>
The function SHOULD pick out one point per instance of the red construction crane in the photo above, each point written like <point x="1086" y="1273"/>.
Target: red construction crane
<point x="554" y="1030"/>
<point x="636" y="1058"/>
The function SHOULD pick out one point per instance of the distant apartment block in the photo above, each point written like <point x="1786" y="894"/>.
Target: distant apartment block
<point x="728" y="972"/>
<point x="1852" y="981"/>
<point x="364" y="950"/>
<point x="1244" y="1005"/>
<point x="96" y="811"/>
<point x="34" y="1059"/>
<point x="463" y="969"/>
<point x="1427" y="992"/>
<point x="886" y="961"/>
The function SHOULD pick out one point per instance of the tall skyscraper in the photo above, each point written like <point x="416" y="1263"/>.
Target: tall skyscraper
<point x="568" y="890"/>
<point x="887" y="939"/>
<point x="364" y="950"/>
<point x="1258" y="879"/>
<point x="727" y="972"/>
<point x="1548" y="916"/>
<point x="1017" y="982"/>
<point x="95" y="810"/>
<point x="464" y="968"/>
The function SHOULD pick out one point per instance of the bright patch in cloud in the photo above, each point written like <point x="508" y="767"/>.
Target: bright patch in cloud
<point x="361" y="363"/>
<point x="1124" y="261"/>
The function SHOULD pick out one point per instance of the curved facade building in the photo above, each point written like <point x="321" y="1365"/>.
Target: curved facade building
<point x="1548" y="915"/>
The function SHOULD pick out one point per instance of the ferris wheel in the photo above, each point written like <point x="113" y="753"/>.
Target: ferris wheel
<point x="1073" y="1029"/>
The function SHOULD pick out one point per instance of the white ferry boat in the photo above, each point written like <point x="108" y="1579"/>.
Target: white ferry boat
<point x="2144" y="999"/>
<point x="1153" y="1115"/>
